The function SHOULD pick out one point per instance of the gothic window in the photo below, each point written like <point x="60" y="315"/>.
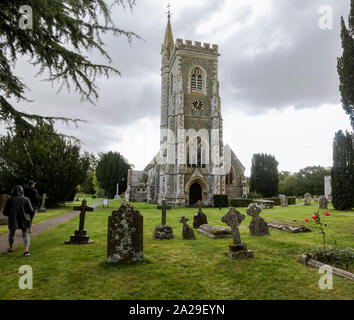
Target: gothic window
<point x="196" y="153"/>
<point x="230" y="178"/>
<point x="197" y="80"/>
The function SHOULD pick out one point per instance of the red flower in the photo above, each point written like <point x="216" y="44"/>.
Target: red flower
<point x="307" y="220"/>
<point x="327" y="214"/>
<point x="314" y="217"/>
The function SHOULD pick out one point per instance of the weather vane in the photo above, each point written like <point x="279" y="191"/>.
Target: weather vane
<point x="169" y="10"/>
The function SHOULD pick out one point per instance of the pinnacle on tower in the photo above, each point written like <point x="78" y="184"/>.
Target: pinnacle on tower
<point x="168" y="42"/>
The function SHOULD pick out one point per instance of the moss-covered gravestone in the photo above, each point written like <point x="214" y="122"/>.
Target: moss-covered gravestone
<point x="125" y="235"/>
<point x="258" y="227"/>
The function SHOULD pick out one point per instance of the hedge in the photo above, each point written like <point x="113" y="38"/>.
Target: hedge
<point x="221" y="200"/>
<point x="241" y="203"/>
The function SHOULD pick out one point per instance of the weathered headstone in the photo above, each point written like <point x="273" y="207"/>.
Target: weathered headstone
<point x="283" y="200"/>
<point x="258" y="227"/>
<point x="215" y="232"/>
<point x="200" y="218"/>
<point x="315" y="198"/>
<point x="163" y="231"/>
<point x="125" y="235"/>
<point x="187" y="231"/>
<point x="81" y="236"/>
<point x="323" y="203"/>
<point x="43" y="209"/>
<point x="3" y="219"/>
<point x="307" y="197"/>
<point x="233" y="218"/>
<point x="77" y="197"/>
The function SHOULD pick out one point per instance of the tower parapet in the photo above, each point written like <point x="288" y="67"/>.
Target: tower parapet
<point x="197" y="46"/>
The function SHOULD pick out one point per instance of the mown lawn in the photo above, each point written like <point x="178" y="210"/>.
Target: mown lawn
<point x="178" y="269"/>
<point x="52" y="213"/>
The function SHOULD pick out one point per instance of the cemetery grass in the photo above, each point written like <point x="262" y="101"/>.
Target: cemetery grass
<point x="55" y="212"/>
<point x="178" y="269"/>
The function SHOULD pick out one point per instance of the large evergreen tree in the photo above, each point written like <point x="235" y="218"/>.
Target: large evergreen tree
<point x="40" y="154"/>
<point x="343" y="171"/>
<point x="346" y="65"/>
<point x="112" y="168"/>
<point x="264" y="175"/>
<point x="63" y="32"/>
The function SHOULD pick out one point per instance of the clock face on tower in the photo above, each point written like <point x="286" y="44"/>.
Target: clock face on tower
<point x="197" y="105"/>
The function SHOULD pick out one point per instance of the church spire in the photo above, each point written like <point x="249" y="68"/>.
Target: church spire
<point x="168" y="42"/>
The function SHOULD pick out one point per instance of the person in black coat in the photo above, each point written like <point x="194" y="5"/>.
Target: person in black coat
<point x="32" y="193"/>
<point x="20" y="212"/>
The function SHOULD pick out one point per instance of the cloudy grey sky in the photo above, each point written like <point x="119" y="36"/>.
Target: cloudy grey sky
<point x="278" y="78"/>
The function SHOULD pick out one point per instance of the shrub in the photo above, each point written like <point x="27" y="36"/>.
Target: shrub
<point x="291" y="201"/>
<point x="100" y="193"/>
<point x="241" y="203"/>
<point x="339" y="257"/>
<point x="221" y="200"/>
<point x="255" y="195"/>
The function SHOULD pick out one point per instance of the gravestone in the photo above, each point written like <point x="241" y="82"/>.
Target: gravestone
<point x="266" y="204"/>
<point x="43" y="209"/>
<point x="105" y="203"/>
<point x="81" y="236"/>
<point x="77" y="197"/>
<point x="3" y="219"/>
<point x="288" y="228"/>
<point x="163" y="231"/>
<point x="237" y="249"/>
<point x="315" y="198"/>
<point x="307" y="197"/>
<point x="323" y="203"/>
<point x="200" y="218"/>
<point x="187" y="231"/>
<point x="125" y="235"/>
<point x="283" y="200"/>
<point x="215" y="232"/>
<point x="258" y="227"/>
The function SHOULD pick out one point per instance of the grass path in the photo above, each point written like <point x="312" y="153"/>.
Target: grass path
<point x="178" y="269"/>
<point x="52" y="213"/>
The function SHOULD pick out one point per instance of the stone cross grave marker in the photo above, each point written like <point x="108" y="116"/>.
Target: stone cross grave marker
<point x="164" y="208"/>
<point x="163" y="231"/>
<point x="80" y="236"/>
<point x="233" y="219"/>
<point x="187" y="231"/>
<point x="117" y="196"/>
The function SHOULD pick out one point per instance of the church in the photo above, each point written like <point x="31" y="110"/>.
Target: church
<point x="193" y="163"/>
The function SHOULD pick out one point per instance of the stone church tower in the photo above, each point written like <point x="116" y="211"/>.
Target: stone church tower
<point x="193" y="163"/>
